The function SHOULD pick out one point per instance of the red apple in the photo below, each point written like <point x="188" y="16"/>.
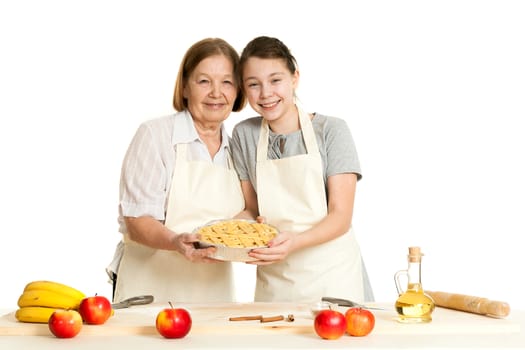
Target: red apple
<point x="330" y="324"/>
<point x="359" y="322"/>
<point x="173" y="322"/>
<point x="65" y="323"/>
<point x="95" y="309"/>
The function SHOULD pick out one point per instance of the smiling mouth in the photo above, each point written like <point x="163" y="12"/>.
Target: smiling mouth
<point x="215" y="105"/>
<point x="269" y="105"/>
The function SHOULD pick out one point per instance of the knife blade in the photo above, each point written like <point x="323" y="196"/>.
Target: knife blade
<point x="139" y="300"/>
<point x="350" y="303"/>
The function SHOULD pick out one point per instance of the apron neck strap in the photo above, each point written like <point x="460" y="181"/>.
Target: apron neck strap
<point x="306" y="128"/>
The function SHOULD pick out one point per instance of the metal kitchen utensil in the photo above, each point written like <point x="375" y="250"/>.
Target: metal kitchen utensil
<point x="140" y="300"/>
<point x="350" y="303"/>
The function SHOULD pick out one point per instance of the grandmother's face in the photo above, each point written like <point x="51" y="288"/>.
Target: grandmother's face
<point x="211" y="90"/>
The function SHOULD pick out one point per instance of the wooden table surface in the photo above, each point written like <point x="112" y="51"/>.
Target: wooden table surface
<point x="134" y="328"/>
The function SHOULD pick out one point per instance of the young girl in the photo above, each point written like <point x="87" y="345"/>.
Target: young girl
<point x="299" y="172"/>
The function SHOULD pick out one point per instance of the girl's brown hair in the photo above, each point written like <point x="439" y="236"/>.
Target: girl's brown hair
<point x="267" y="47"/>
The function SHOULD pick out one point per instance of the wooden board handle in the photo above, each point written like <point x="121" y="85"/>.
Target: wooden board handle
<point x="469" y="303"/>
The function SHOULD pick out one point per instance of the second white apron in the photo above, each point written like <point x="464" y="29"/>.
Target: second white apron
<point x="292" y="196"/>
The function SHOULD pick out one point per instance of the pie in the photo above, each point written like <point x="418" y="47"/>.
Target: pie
<point x="237" y="233"/>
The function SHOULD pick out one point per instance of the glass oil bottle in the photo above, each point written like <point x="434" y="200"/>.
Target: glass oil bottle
<point x="413" y="305"/>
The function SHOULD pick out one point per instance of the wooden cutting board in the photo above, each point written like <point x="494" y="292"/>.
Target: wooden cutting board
<point x="214" y="319"/>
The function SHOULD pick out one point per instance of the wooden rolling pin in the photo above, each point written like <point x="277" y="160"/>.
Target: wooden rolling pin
<point x="468" y="303"/>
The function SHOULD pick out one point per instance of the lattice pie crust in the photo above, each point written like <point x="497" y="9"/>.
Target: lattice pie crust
<point x="237" y="234"/>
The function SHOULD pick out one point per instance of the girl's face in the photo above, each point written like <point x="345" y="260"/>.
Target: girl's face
<point x="270" y="87"/>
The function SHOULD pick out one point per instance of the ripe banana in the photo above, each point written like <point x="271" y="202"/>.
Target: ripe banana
<point x="34" y="314"/>
<point x="48" y="298"/>
<point x="55" y="287"/>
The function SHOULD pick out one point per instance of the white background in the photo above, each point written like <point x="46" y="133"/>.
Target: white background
<point x="433" y="91"/>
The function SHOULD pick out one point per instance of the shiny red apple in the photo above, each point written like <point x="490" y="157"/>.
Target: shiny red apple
<point x="173" y="322"/>
<point x="95" y="309"/>
<point x="359" y="322"/>
<point x="330" y="324"/>
<point x="65" y="323"/>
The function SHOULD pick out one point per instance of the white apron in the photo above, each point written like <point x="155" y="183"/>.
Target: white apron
<point x="200" y="192"/>
<point x="291" y="195"/>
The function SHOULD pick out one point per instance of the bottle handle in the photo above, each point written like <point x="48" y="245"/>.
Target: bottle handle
<point x="398" y="283"/>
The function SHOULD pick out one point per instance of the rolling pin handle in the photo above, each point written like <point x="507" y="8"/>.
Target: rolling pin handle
<point x="496" y="309"/>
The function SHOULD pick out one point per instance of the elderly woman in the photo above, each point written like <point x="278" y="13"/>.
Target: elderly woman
<point x="176" y="176"/>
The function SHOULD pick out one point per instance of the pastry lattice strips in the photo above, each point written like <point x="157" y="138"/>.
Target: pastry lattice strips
<point x="238" y="234"/>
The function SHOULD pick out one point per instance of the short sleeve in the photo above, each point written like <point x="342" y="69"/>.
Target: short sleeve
<point x="143" y="189"/>
<point x="341" y="151"/>
<point x="245" y="136"/>
<point x="239" y="160"/>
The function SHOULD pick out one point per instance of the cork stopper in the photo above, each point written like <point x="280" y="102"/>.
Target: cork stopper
<point x="414" y="254"/>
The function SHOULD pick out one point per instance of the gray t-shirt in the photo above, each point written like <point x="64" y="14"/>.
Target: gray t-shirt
<point x="333" y="136"/>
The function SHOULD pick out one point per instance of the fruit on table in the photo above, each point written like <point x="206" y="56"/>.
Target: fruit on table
<point x="330" y="324"/>
<point x="39" y="298"/>
<point x="50" y="294"/>
<point x="359" y="322"/>
<point x="55" y="287"/>
<point x="34" y="314"/>
<point x="65" y="323"/>
<point x="47" y="298"/>
<point x="173" y="322"/>
<point x="95" y="309"/>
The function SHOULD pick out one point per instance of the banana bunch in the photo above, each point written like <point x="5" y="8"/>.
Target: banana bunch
<point x="41" y="298"/>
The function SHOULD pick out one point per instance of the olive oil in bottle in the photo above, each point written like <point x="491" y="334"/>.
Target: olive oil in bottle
<point x="413" y="305"/>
